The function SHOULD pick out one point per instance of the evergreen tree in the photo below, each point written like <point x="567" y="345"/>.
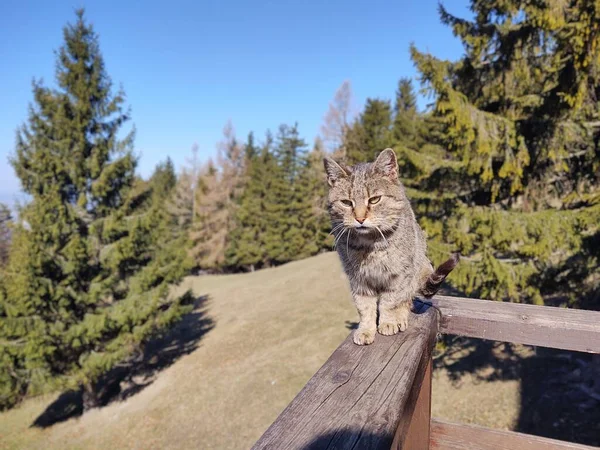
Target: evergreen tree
<point x="513" y="169"/>
<point x="163" y="180"/>
<point x="250" y="149"/>
<point x="248" y="242"/>
<point x="89" y="268"/>
<point x="317" y="222"/>
<point x="181" y="205"/>
<point x="282" y="212"/>
<point x="371" y="133"/>
<point x="286" y="204"/>
<point x="407" y="122"/>
<point x="5" y="221"/>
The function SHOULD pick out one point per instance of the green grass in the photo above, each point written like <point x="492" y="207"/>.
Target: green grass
<point x="272" y="330"/>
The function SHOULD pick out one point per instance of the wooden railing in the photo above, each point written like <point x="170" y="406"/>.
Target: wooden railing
<point x="379" y="396"/>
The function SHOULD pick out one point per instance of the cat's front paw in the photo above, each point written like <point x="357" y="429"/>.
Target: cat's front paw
<point x="403" y="323"/>
<point x="363" y="337"/>
<point x="388" y="328"/>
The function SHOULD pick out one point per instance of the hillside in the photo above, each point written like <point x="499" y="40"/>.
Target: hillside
<point x="234" y="364"/>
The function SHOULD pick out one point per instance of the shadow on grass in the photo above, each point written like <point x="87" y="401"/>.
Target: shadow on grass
<point x="556" y="386"/>
<point x="138" y="373"/>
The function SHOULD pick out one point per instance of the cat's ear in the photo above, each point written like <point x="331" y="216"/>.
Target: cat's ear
<point x="334" y="171"/>
<point x="386" y="164"/>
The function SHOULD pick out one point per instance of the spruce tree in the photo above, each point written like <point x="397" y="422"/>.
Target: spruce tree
<point x="407" y="122"/>
<point x="316" y="222"/>
<point x="511" y="176"/>
<point x="89" y="269"/>
<point x="250" y="149"/>
<point x="5" y="221"/>
<point x="163" y="180"/>
<point x="371" y="133"/>
<point x="286" y="205"/>
<point x="248" y="240"/>
<point x="181" y="204"/>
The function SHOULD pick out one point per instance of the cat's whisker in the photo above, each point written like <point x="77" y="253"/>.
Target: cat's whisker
<point x="336" y="237"/>
<point x="381" y="233"/>
<point x="339" y="237"/>
<point x="347" y="238"/>
<point x="341" y="225"/>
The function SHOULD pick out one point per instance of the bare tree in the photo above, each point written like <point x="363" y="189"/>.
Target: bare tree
<point x="216" y="195"/>
<point x="338" y="119"/>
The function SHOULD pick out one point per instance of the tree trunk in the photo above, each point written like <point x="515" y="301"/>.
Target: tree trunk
<point x="89" y="396"/>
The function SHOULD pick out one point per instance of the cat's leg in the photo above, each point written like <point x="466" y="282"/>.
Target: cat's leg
<point x="367" y="311"/>
<point x="394" y="309"/>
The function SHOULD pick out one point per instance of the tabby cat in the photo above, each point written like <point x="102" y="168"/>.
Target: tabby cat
<point x="380" y="244"/>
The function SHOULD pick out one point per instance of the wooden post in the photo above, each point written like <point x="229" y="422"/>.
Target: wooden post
<point x="417" y="435"/>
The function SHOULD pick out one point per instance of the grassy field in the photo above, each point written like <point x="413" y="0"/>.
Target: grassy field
<point x="229" y="369"/>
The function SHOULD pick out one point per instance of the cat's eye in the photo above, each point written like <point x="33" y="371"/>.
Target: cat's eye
<point x="346" y="202"/>
<point x="374" y="200"/>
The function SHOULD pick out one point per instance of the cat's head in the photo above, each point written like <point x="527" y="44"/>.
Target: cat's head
<point x="366" y="196"/>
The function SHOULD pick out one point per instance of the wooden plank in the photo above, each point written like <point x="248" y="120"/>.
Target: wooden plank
<point x="357" y="399"/>
<point x="450" y="436"/>
<point x="545" y="326"/>
<point x="417" y="434"/>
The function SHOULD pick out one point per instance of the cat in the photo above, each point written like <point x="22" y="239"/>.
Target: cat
<point x="380" y="244"/>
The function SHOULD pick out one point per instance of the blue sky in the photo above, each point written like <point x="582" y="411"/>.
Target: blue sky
<point x="189" y="67"/>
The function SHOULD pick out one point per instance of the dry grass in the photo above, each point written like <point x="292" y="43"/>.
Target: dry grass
<point x="273" y="330"/>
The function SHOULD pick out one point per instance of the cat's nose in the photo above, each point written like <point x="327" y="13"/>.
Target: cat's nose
<point x="360" y="219"/>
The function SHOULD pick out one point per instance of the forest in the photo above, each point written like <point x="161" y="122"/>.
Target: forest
<point x="502" y="166"/>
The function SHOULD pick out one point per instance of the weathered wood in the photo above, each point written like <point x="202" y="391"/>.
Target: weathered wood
<point x="450" y="436"/>
<point x="357" y="399"/>
<point x="545" y="326"/>
<point x="417" y="434"/>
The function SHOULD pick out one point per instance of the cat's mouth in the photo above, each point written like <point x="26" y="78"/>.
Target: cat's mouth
<point x="362" y="229"/>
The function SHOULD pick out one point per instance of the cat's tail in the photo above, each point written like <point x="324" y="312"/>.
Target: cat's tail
<point x="435" y="280"/>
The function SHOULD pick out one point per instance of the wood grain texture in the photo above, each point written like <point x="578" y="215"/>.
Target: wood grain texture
<point x="545" y="326"/>
<point x="449" y="436"/>
<point x="417" y="434"/>
<point x="357" y="399"/>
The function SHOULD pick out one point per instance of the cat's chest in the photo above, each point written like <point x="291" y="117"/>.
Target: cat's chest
<point x="376" y="270"/>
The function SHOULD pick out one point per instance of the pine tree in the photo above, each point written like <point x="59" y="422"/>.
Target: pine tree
<point x="316" y="222"/>
<point x="250" y="149"/>
<point x="181" y="204"/>
<point x="5" y="221"/>
<point x="407" y="122"/>
<point x="248" y="240"/>
<point x="285" y="204"/>
<point x="513" y="169"/>
<point x="163" y="180"/>
<point x="89" y="268"/>
<point x="371" y="133"/>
